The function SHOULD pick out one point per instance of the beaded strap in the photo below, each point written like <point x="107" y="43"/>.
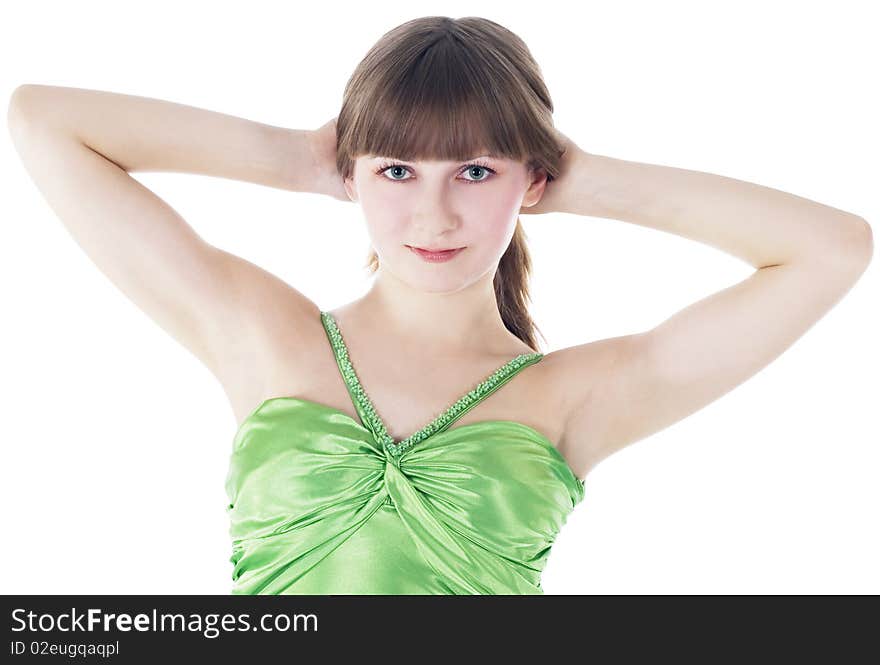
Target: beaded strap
<point x="461" y="405"/>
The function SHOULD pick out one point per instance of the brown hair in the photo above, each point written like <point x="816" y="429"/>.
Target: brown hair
<point x="438" y="88"/>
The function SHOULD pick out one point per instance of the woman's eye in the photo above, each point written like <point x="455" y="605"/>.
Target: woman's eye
<point x="396" y="169"/>
<point x="478" y="168"/>
<point x="401" y="170"/>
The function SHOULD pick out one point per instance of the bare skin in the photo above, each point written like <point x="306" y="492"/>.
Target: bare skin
<point x="590" y="400"/>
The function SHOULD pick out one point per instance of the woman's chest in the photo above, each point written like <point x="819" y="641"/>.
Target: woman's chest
<point x="406" y="394"/>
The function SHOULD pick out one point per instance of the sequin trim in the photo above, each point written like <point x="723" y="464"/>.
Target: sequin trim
<point x="396" y="449"/>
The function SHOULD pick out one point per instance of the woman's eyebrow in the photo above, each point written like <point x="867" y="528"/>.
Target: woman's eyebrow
<point x="486" y="155"/>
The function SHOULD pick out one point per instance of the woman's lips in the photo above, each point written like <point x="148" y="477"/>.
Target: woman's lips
<point x="435" y="256"/>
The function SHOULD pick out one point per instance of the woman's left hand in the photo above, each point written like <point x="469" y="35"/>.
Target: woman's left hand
<point x="555" y="191"/>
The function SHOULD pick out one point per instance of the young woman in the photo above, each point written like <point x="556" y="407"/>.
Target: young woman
<point x="377" y="451"/>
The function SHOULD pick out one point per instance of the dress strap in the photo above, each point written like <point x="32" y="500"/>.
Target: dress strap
<point x="370" y="418"/>
<point x="487" y="387"/>
<point x="348" y="375"/>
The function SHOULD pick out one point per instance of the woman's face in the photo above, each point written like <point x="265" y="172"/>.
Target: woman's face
<point x="442" y="205"/>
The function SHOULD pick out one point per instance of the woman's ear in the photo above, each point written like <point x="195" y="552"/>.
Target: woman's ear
<point x="537" y="184"/>
<point x="350" y="189"/>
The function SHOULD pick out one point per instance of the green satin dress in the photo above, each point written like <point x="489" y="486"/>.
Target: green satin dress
<point x="320" y="503"/>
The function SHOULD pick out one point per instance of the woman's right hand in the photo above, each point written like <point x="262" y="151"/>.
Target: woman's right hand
<point x="323" y="145"/>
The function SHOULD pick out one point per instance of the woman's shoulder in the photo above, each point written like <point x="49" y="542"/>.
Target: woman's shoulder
<point x="282" y="332"/>
<point x="583" y="381"/>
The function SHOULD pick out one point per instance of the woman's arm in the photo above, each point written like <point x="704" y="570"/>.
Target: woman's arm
<point x="807" y="255"/>
<point x="147" y="134"/>
<point x="758" y="224"/>
<point x="78" y="146"/>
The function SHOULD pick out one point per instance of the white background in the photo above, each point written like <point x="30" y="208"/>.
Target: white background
<point x="116" y="440"/>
